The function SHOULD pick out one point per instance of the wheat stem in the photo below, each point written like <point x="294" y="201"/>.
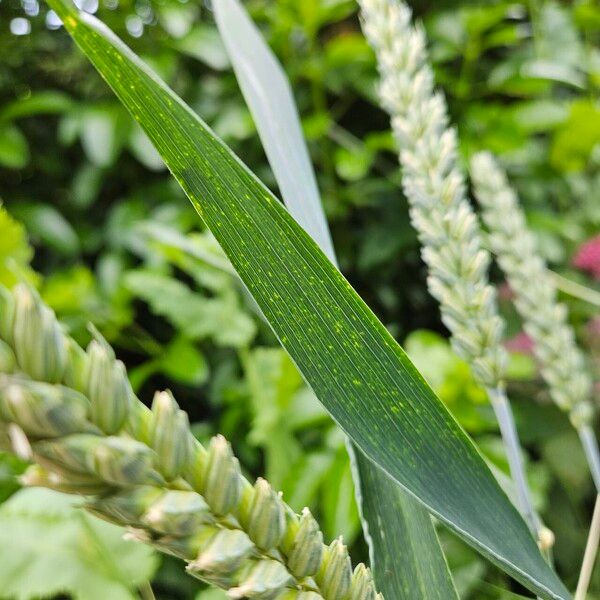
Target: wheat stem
<point x="574" y="289"/>
<point x="589" y="556"/>
<point x="508" y="429"/>
<point x="143" y="469"/>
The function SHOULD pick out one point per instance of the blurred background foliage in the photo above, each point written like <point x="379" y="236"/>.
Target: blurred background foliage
<point x="90" y="216"/>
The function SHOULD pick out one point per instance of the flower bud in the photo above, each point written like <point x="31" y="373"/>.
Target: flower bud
<point x="107" y="388"/>
<point x="177" y="512"/>
<point x="72" y="453"/>
<point x="38" y="341"/>
<point x="306" y="549"/>
<point x="124" y="461"/>
<point x="186" y="547"/>
<point x="139" y="422"/>
<point x="170" y="436"/>
<point x="265" y="579"/>
<point x="116" y="460"/>
<point x="221" y="481"/>
<point x="335" y="575"/>
<point x="42" y="410"/>
<point x="263" y="516"/>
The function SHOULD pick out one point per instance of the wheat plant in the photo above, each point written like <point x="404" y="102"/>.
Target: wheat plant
<point x="446" y="225"/>
<point x="88" y="434"/>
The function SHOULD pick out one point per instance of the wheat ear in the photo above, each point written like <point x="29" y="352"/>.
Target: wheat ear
<point x="545" y="320"/>
<point x="141" y="468"/>
<point x="446" y="225"/>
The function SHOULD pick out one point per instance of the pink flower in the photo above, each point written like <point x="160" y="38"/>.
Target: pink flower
<point x="505" y="292"/>
<point x="521" y="343"/>
<point x="593" y="328"/>
<point x="587" y="257"/>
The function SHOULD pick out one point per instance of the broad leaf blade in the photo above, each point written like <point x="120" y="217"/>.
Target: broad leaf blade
<point x="357" y="370"/>
<point x="404" y="568"/>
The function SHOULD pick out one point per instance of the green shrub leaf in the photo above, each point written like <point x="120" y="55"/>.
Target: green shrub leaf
<point x="49" y="546"/>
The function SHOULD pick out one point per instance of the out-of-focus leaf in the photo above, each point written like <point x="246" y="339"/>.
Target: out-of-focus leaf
<point x="204" y="44"/>
<point x="540" y="115"/>
<point x="553" y="71"/>
<point x="353" y="364"/>
<point x="305" y="478"/>
<point x="86" y="185"/>
<point x="47" y="102"/>
<point x="220" y="318"/>
<point x="177" y="18"/>
<point x="14" y="149"/>
<point x="353" y="164"/>
<point x="49" y="547"/>
<point x="273" y="382"/>
<point x="103" y="132"/>
<point x="573" y="142"/>
<point x="557" y="38"/>
<point x="15" y="252"/>
<point x="184" y="363"/>
<point x="46" y="223"/>
<point x="142" y="148"/>
<point x="340" y="514"/>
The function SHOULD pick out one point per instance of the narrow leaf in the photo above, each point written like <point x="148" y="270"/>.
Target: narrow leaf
<point x="409" y="568"/>
<point x="269" y="96"/>
<point x="355" y="367"/>
<point x="409" y="562"/>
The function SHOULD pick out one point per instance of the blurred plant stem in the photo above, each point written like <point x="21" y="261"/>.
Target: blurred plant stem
<point x="510" y="438"/>
<point x="576" y="290"/>
<point x="146" y="591"/>
<point x="590" y="447"/>
<point x="589" y="556"/>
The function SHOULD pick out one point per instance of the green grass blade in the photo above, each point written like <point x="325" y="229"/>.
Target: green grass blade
<point x="355" y="367"/>
<point x="410" y="563"/>
<point x="404" y="568"/>
<point x="268" y="94"/>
